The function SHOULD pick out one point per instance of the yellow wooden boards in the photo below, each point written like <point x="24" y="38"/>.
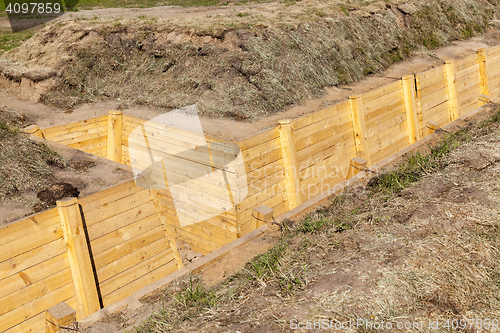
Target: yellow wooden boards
<point x="34" y="271"/>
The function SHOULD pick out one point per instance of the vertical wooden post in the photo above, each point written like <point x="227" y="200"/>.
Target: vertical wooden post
<point x="483" y="70"/>
<point x="78" y="254"/>
<point x="33" y="130"/>
<point x="418" y="100"/>
<point x="449" y="68"/>
<point x="115" y="129"/>
<point x="411" y="107"/>
<point x="358" y="121"/>
<point x="356" y="165"/>
<point x="260" y="215"/>
<point x="290" y="163"/>
<point x="61" y="315"/>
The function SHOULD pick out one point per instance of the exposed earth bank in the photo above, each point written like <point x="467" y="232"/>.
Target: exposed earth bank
<point x="247" y="65"/>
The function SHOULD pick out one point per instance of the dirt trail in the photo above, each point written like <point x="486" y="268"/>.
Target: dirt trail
<point x="46" y="116"/>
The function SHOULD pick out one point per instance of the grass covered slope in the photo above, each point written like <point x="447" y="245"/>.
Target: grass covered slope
<point x="403" y="249"/>
<point x="245" y="65"/>
<point x="25" y="165"/>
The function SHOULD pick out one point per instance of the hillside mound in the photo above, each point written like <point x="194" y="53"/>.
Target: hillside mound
<point x="243" y="66"/>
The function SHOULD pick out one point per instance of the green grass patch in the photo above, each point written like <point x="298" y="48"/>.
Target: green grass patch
<point x="418" y="164"/>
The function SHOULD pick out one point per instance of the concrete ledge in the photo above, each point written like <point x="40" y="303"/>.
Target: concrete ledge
<point x="133" y="301"/>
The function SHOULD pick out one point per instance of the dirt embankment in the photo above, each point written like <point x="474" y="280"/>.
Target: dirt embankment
<point x="244" y="66"/>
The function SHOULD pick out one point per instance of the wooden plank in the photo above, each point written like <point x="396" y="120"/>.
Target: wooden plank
<point x="465" y="63"/>
<point x="35" y="290"/>
<point x="331" y="168"/>
<point x="258" y="139"/>
<point x="321" y="115"/>
<point x="79" y="257"/>
<point x="386" y="114"/>
<point x="30" y="242"/>
<point x="438" y="97"/>
<point x="94" y="143"/>
<point x="30" y="325"/>
<point x="116" y="237"/>
<point x="275" y="196"/>
<point x="339" y="140"/>
<point x="31" y="258"/>
<point x="430" y="90"/>
<point x="324" y="133"/>
<point x="289" y="153"/>
<point x="202" y="156"/>
<point x="360" y="132"/>
<point x="376" y="104"/>
<point x="388" y="119"/>
<point x="28" y="225"/>
<point x="266" y="182"/>
<point x="82" y="125"/>
<point x="312" y="129"/>
<point x="152" y="127"/>
<point x="493" y="51"/>
<point x="469" y="73"/>
<point x="33" y="274"/>
<point x="452" y="90"/>
<point x="115" y="129"/>
<point x="135" y="285"/>
<point x="100" y="210"/>
<point x="202" y="243"/>
<point x="35" y="307"/>
<point x="130" y="245"/>
<point x="398" y="128"/>
<point x="430" y="74"/>
<point x="73" y="137"/>
<point x="482" y="56"/>
<point x="133" y="259"/>
<point x="391" y="149"/>
<point x="120" y="220"/>
<point x="254" y="175"/>
<point x="381" y="92"/>
<point x="342" y="148"/>
<point x="263" y="149"/>
<point x="262" y="161"/>
<point x="204" y="233"/>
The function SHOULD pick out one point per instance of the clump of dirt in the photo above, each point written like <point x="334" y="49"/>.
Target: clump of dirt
<point x="243" y="66"/>
<point x="54" y="192"/>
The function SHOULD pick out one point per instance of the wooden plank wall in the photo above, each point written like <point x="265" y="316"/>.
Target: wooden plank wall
<point x="129" y="247"/>
<point x="200" y="166"/>
<point x="325" y="145"/>
<point x="34" y="272"/>
<point x="468" y="83"/>
<point x="432" y="98"/>
<point x="89" y="135"/>
<point x="127" y="240"/>
<point x="493" y="63"/>
<point x="264" y="176"/>
<point x="385" y="121"/>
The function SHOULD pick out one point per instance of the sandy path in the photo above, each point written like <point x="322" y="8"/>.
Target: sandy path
<point x="46" y="116"/>
<point x="159" y="12"/>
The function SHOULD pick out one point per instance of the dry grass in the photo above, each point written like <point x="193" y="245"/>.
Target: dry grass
<point x="247" y="65"/>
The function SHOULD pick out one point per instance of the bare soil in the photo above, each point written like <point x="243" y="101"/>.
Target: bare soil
<point x="85" y="172"/>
